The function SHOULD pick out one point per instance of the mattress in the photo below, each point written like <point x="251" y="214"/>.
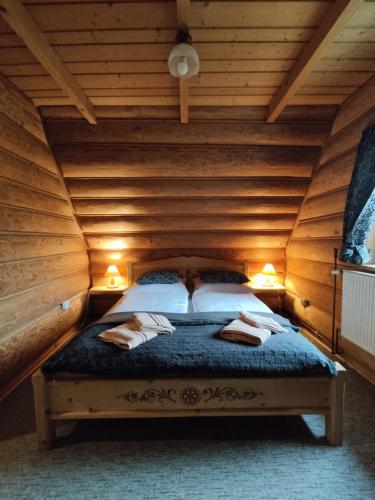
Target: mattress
<point x="193" y="350"/>
<point x="172" y="298"/>
<point x="209" y="297"/>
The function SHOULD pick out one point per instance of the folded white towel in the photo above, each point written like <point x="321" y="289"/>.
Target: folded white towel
<point x="127" y="336"/>
<point x="239" y="331"/>
<point x="150" y="322"/>
<point x="262" y="322"/>
<point x="143" y="327"/>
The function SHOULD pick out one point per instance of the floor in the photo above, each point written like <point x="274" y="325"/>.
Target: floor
<point x="234" y="458"/>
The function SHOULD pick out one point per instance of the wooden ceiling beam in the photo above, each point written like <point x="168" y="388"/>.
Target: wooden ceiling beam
<point x="195" y="100"/>
<point x="183" y="18"/>
<point x="333" y="23"/>
<point x="18" y="18"/>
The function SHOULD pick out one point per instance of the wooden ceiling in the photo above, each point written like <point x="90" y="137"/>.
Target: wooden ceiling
<point x="302" y="52"/>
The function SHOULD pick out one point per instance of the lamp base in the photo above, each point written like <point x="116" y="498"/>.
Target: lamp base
<point x="269" y="282"/>
<point x="112" y="283"/>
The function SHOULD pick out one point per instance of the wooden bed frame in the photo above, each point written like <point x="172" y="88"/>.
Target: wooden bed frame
<point x="80" y="397"/>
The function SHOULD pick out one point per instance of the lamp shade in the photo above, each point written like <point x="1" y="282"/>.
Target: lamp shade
<point x="112" y="270"/>
<point x="112" y="273"/>
<point x="269" y="269"/>
<point x="183" y="61"/>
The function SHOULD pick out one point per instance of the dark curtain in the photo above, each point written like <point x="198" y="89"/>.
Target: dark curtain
<point x="360" y="204"/>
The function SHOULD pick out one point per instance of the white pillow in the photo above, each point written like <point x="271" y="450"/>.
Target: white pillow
<point x="210" y="297"/>
<point x="172" y="298"/>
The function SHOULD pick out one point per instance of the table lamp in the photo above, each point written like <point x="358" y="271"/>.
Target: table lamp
<point x="269" y="273"/>
<point x="112" y="273"/>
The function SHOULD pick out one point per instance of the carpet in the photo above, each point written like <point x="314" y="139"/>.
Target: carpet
<point x="270" y="458"/>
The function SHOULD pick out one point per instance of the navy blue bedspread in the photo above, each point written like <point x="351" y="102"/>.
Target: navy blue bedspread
<point x="194" y="349"/>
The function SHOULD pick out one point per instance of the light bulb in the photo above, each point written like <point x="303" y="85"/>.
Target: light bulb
<point x="182" y="67"/>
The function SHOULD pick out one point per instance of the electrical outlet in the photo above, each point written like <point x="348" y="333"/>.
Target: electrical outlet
<point x="336" y="272"/>
<point x="305" y="302"/>
<point x="65" y="305"/>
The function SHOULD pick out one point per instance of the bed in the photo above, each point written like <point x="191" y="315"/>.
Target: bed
<point x="191" y="373"/>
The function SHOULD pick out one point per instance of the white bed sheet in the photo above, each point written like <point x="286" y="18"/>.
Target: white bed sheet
<point x="154" y="298"/>
<point x="209" y="297"/>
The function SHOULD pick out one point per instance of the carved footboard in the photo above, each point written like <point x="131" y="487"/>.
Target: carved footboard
<point x="87" y="398"/>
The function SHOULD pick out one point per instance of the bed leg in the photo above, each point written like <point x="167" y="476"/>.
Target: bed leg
<point x="335" y="416"/>
<point x="45" y="428"/>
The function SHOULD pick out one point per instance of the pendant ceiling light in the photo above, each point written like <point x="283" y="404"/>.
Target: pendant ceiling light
<point x="183" y="61"/>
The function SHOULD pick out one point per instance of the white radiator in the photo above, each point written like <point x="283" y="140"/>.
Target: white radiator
<point x="358" y="309"/>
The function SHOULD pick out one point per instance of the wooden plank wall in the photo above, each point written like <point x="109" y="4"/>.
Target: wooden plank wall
<point x="43" y="258"/>
<point x="217" y="187"/>
<point x="320" y="222"/>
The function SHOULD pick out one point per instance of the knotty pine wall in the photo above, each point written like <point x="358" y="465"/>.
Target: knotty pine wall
<point x="43" y="260"/>
<point x="226" y="185"/>
<point x="320" y="222"/>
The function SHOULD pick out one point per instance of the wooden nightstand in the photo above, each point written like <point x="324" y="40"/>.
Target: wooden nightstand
<point x="102" y="298"/>
<point x="272" y="296"/>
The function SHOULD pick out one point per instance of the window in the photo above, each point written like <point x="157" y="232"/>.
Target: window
<point x="359" y="217"/>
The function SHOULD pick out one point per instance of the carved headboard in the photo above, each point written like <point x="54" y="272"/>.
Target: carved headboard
<point x="183" y="265"/>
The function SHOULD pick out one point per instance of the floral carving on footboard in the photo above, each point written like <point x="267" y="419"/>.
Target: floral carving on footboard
<point x="230" y="394"/>
<point x="149" y="396"/>
<point x="189" y="395"/>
